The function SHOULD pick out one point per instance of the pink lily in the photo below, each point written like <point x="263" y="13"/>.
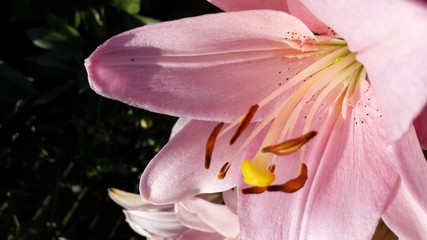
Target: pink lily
<point x="194" y="218"/>
<point x="363" y="161"/>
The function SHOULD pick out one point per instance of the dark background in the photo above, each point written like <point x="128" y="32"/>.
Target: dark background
<point x="61" y="145"/>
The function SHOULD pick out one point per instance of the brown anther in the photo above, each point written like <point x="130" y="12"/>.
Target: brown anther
<point x="210" y="144"/>
<point x="254" y="190"/>
<point x="271" y="168"/>
<point x="223" y="171"/>
<point x="291" y="185"/>
<point x="290" y="146"/>
<point x="244" y="123"/>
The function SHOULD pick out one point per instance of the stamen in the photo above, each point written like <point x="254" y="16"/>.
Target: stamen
<point x="320" y="84"/>
<point x="339" y="50"/>
<point x="244" y="123"/>
<point x="321" y="80"/>
<point x="210" y="144"/>
<point x="292" y="185"/>
<point x="223" y="171"/>
<point x="290" y="146"/>
<point x="292" y="107"/>
<point x="312" y="69"/>
<point x="254" y="190"/>
<point x="329" y="90"/>
<point x="272" y="168"/>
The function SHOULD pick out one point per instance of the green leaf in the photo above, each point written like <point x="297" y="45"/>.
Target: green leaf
<point x="44" y="38"/>
<point x="59" y="35"/>
<point x="77" y="19"/>
<point x="95" y="26"/>
<point x="129" y="6"/>
<point x="142" y="20"/>
<point x="59" y="25"/>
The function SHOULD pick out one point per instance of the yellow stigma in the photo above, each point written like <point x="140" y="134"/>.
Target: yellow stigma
<point x="255" y="175"/>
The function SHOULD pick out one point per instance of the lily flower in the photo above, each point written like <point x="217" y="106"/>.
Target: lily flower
<point x="195" y="218"/>
<point x="315" y="130"/>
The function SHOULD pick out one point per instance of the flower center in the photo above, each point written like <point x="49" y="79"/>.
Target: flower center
<point x="321" y="88"/>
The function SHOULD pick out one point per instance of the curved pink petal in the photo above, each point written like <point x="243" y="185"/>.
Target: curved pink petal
<point x="193" y="234"/>
<point x="133" y="201"/>
<point x="126" y="200"/>
<point x="180" y="123"/>
<point x="216" y="216"/>
<point x="351" y="180"/>
<point x="420" y="124"/>
<point x="297" y="9"/>
<point x="140" y="230"/>
<point x="239" y="5"/>
<point x="387" y="36"/>
<point x="190" y="219"/>
<point x="211" y="67"/>
<point x="164" y="224"/>
<point x="177" y="172"/>
<point x="230" y="199"/>
<point x="412" y="166"/>
<point x="405" y="217"/>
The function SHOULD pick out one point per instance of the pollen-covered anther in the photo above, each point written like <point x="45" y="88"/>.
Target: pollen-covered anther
<point x="223" y="171"/>
<point x="210" y="144"/>
<point x="244" y="123"/>
<point x="290" y="146"/>
<point x="254" y="190"/>
<point x="272" y="168"/>
<point x="292" y="185"/>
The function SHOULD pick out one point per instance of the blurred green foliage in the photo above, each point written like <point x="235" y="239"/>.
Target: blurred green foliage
<point x="61" y="145"/>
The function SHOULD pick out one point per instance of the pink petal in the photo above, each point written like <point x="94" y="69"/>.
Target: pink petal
<point x="350" y="182"/>
<point x="193" y="234"/>
<point x="180" y="123"/>
<point x="420" y="124"/>
<point x="216" y="216"/>
<point x="406" y="217"/>
<point x="230" y="199"/>
<point x="132" y="201"/>
<point x="190" y="219"/>
<point x="211" y="67"/>
<point x="177" y="172"/>
<point x="125" y="199"/>
<point x="388" y="38"/>
<point x="163" y="224"/>
<point x="140" y="230"/>
<point x="239" y="5"/>
<point x="412" y="166"/>
<point x="297" y="9"/>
